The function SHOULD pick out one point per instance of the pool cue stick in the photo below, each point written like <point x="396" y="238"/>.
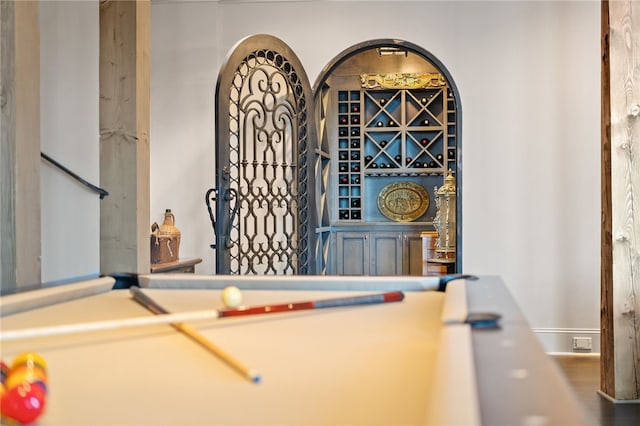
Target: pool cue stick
<point x="190" y="332"/>
<point x="87" y="327"/>
<point x="167" y="318"/>
<point x="392" y="296"/>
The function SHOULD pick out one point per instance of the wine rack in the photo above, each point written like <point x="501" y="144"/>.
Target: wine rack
<point x="349" y="155"/>
<point x="404" y="132"/>
<point x="384" y="134"/>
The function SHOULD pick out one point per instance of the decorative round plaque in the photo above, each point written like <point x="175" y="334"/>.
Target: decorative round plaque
<point x="403" y="201"/>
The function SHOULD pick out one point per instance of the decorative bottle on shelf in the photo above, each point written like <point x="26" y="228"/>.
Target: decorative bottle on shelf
<point x="165" y="240"/>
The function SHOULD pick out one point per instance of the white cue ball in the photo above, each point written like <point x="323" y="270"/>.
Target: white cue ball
<point x="231" y="296"/>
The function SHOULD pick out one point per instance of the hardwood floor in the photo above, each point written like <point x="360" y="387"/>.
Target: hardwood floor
<point x="583" y="373"/>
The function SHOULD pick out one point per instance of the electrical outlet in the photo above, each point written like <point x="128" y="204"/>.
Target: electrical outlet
<point x="582" y="344"/>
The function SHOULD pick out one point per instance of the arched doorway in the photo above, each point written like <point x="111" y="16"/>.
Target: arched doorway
<point x="389" y="116"/>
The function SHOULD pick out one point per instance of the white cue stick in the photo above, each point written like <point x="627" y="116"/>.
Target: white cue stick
<point x="57" y="330"/>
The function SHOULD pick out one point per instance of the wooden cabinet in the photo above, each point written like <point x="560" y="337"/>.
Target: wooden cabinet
<point x="352" y="253"/>
<point x="378" y="253"/>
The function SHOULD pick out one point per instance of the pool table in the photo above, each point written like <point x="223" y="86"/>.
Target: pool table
<point x="414" y="362"/>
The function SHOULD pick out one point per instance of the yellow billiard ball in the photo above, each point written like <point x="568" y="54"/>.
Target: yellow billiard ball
<point x="231" y="297"/>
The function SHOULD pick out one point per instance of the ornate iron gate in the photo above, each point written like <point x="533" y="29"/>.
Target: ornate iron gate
<point x="264" y="193"/>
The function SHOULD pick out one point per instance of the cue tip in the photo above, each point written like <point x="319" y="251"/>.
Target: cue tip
<point x="255" y="377"/>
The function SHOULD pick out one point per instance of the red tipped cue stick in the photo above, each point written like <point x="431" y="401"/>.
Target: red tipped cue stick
<point x="369" y="299"/>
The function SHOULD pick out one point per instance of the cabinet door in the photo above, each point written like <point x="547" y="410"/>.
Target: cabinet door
<point x="386" y="253"/>
<point x="352" y="253"/>
<point x="412" y="253"/>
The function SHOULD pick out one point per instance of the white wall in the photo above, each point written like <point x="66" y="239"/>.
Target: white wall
<point x="184" y="67"/>
<point x="528" y="75"/>
<point x="69" y="46"/>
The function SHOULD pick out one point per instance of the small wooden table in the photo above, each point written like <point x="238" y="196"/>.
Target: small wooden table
<point x="186" y="266"/>
<point x="449" y="264"/>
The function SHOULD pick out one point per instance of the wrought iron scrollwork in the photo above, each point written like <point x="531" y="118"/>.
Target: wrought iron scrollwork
<point x="268" y="119"/>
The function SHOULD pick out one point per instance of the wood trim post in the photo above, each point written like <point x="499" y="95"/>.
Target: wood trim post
<point x="620" y="245"/>
<point x="124" y="135"/>
<point x="20" y="245"/>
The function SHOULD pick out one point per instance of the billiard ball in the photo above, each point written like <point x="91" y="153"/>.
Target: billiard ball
<point x="231" y="297"/>
<point x="23" y="403"/>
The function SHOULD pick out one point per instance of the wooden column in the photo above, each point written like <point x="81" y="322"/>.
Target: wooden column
<point x="620" y="260"/>
<point x="124" y="135"/>
<point x="20" y="145"/>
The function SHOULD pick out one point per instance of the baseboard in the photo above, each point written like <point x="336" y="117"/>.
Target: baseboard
<point x="560" y="340"/>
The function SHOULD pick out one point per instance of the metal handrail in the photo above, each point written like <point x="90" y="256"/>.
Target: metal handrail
<point x="103" y="193"/>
